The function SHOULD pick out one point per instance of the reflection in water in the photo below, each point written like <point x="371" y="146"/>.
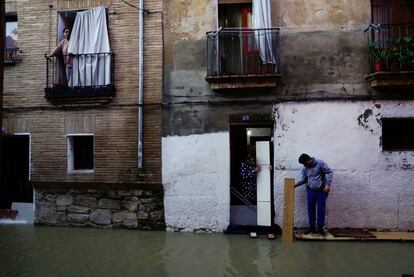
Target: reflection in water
<point x="41" y="251"/>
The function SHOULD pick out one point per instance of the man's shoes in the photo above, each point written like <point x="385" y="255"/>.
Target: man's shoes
<point x="322" y="233"/>
<point x="310" y="231"/>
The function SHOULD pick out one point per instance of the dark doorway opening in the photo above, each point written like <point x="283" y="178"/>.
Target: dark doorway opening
<point x="15" y="184"/>
<point x="244" y="200"/>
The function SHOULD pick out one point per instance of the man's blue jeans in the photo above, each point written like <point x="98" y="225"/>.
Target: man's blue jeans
<point x="316" y="198"/>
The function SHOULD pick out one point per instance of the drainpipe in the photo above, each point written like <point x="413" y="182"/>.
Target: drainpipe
<point x="2" y="36"/>
<point x="141" y="84"/>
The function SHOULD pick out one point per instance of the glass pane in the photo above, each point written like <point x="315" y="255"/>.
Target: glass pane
<point x="11" y="34"/>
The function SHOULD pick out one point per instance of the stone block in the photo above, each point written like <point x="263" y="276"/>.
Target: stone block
<point x="39" y="195"/>
<point x="109" y="204"/>
<point x="62" y="219"/>
<point x="142" y="215"/>
<point x="61" y="208"/>
<point x="79" y="209"/>
<point x="131" y="198"/>
<point x="406" y="212"/>
<point x="101" y="216"/>
<point x="149" y="200"/>
<point x="157" y="215"/>
<point x="131" y="206"/>
<point x="78" y="218"/>
<point x="141" y="207"/>
<point x="46" y="213"/>
<point x="64" y="200"/>
<point x="119" y="217"/>
<point x="50" y="198"/>
<point x="125" y="193"/>
<point x="86" y="201"/>
<point x="126" y="219"/>
<point x="137" y="192"/>
<point x="150" y="207"/>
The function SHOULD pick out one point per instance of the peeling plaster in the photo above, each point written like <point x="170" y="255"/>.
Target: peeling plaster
<point x="368" y="183"/>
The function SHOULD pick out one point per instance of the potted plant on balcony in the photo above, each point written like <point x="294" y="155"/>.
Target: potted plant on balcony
<point x="409" y="51"/>
<point x="402" y="54"/>
<point x="379" y="55"/>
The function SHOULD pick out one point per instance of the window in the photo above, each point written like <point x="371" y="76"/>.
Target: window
<point x="80" y="153"/>
<point x="11" y="31"/>
<point x="398" y="134"/>
<point x="11" y="53"/>
<point x="392" y="11"/>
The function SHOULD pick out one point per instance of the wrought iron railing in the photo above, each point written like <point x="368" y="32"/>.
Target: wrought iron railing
<point x="81" y="70"/>
<point x="241" y="51"/>
<point x="391" y="47"/>
<point x="12" y="55"/>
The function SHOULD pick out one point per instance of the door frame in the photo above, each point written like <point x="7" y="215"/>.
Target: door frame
<point x="266" y="123"/>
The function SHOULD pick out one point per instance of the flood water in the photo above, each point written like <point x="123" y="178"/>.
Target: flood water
<point x="53" y="251"/>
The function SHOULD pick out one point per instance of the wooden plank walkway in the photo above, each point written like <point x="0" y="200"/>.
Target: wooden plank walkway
<point x="379" y="236"/>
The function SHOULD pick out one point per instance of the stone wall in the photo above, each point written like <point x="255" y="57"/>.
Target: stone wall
<point x="133" y="209"/>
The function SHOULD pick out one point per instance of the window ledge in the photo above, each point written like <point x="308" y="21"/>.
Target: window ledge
<point x="227" y="82"/>
<point x="391" y="80"/>
<point x="81" y="171"/>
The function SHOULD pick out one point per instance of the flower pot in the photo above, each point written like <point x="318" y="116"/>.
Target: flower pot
<point x="377" y="66"/>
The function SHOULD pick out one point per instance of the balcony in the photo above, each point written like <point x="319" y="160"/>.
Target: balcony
<point x="12" y="55"/>
<point x="391" y="56"/>
<point x="240" y="58"/>
<point x="88" y="79"/>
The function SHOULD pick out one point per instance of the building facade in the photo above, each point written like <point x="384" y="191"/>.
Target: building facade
<point x="321" y="92"/>
<point x="71" y="147"/>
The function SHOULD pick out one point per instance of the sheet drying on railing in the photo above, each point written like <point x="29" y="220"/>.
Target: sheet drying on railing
<point x="261" y="20"/>
<point x="90" y="36"/>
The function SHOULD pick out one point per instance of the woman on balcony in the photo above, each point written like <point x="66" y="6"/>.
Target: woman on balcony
<point x="61" y="50"/>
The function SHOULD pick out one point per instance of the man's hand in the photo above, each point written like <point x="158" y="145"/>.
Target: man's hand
<point x="258" y="168"/>
<point x="327" y="188"/>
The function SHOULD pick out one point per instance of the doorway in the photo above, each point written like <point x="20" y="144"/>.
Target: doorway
<point x="15" y="184"/>
<point x="251" y="184"/>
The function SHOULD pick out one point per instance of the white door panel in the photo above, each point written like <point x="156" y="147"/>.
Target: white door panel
<point x="264" y="214"/>
<point x="262" y="152"/>
<point x="263" y="184"/>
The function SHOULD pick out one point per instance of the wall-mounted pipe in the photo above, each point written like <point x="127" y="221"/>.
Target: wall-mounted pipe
<point x="141" y="85"/>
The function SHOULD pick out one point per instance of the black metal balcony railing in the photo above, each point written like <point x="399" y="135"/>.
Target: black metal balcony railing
<point x="240" y="51"/>
<point x="12" y="55"/>
<point x="89" y="75"/>
<point x="391" y="47"/>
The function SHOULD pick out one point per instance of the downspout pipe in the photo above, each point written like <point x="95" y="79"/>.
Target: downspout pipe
<point x="141" y="85"/>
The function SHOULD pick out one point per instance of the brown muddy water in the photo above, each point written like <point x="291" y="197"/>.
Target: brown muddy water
<point x="51" y="251"/>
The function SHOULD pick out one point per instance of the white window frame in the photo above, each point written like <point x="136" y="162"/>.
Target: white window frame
<point x="70" y="155"/>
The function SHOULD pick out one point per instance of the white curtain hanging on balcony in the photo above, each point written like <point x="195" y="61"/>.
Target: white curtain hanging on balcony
<point x="89" y="43"/>
<point x="261" y="20"/>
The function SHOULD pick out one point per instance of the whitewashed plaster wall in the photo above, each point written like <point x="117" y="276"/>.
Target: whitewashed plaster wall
<point x="371" y="188"/>
<point x="196" y="179"/>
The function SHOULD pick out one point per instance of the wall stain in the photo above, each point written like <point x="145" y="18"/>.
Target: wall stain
<point x="363" y="118"/>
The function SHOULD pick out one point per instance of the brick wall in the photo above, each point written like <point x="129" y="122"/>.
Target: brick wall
<point x="114" y="125"/>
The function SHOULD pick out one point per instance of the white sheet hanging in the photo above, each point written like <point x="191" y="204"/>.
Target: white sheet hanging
<point x="262" y="19"/>
<point x="90" y="36"/>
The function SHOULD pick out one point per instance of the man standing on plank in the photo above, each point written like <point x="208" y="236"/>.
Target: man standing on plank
<point x="318" y="177"/>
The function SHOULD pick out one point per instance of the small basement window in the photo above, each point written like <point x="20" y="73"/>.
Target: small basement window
<point x="80" y="153"/>
<point x="398" y="134"/>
